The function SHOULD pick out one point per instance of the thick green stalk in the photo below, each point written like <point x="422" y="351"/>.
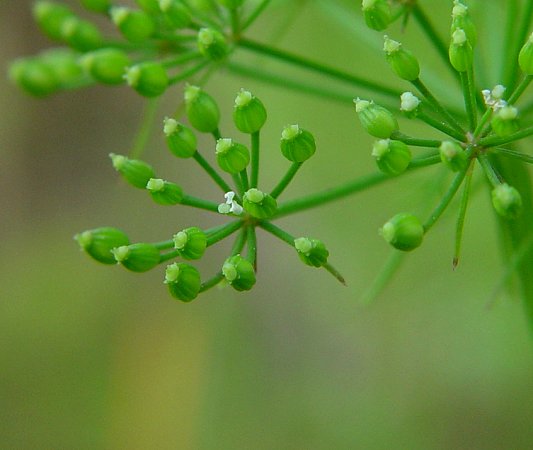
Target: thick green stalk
<point x="278" y="232"/>
<point x="211" y="171"/>
<point x="251" y="238"/>
<point x="459" y="226"/>
<point x="489" y="170"/>
<point x="224" y="232"/>
<point x="254" y="176"/>
<point x="189" y="200"/>
<point x="440" y="126"/>
<point x="417" y="142"/>
<point x="287" y="178"/>
<point x="469" y="94"/>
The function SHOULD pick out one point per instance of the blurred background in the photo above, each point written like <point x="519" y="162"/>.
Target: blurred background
<point x="94" y="357"/>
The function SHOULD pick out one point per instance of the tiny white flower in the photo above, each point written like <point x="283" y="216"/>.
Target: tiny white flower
<point x="230" y="205"/>
<point x="493" y="99"/>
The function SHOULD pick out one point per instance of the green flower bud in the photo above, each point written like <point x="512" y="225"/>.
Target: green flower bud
<point x="136" y="172"/>
<point x="231" y="4"/>
<point x="136" y="26"/>
<point x="258" y="204"/>
<point x="311" y="251"/>
<point x="34" y="77"/>
<point x="212" y="44"/>
<point x="191" y="243"/>
<point x="202" y="110"/>
<point x="461" y="19"/>
<point x="81" y="34"/>
<point x="106" y="65"/>
<point x="177" y="14"/>
<point x="507" y="201"/>
<point x="453" y="156"/>
<point x="392" y="157"/>
<point x="99" y="6"/>
<point x="376" y="120"/>
<point x="505" y="121"/>
<point x="164" y="192"/>
<point x="183" y="281"/>
<point x="149" y="79"/>
<point x="409" y="104"/>
<point x="100" y="242"/>
<point x="149" y="6"/>
<point x="404" y="232"/>
<point x="239" y="273"/>
<point x="377" y="14"/>
<point x="181" y="141"/>
<point x="249" y="114"/>
<point x="64" y="63"/>
<point x="297" y="144"/>
<point x="525" y="57"/>
<point x="402" y="62"/>
<point x="137" y="257"/>
<point x="460" y="51"/>
<point x="50" y="17"/>
<point x="231" y="156"/>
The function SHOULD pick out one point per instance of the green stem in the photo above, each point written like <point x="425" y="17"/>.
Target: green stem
<point x="278" y="232"/>
<point x="489" y="170"/>
<point x="493" y="141"/>
<point x="223" y="232"/>
<point x="431" y="143"/>
<point x="169" y="255"/>
<point x="211" y="171"/>
<point x="469" y="94"/>
<point x="211" y="282"/>
<point x="425" y="161"/>
<point x="384" y="277"/>
<point x="255" y="159"/>
<point x="216" y="134"/>
<point x="187" y="73"/>
<point x="181" y="59"/>
<point x="238" y="245"/>
<point x="462" y="214"/>
<point x="251" y="238"/>
<point x="513" y="154"/>
<point x="255" y="14"/>
<point x="237" y="180"/>
<point x="484" y="119"/>
<point x="438" y="107"/>
<point x="428" y="28"/>
<point x="318" y="67"/>
<point x="520" y="89"/>
<point x="199" y="203"/>
<point x="163" y="245"/>
<point x="335" y="273"/>
<point x="235" y="27"/>
<point x="244" y="179"/>
<point x="445" y="201"/>
<point x="143" y="135"/>
<point x="284" y="182"/>
<point x="441" y="126"/>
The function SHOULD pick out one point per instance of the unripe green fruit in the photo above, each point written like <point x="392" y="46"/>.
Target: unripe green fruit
<point x="181" y="141"/>
<point x="150" y="6"/>
<point x="34" y="77"/>
<point x="507" y="201"/>
<point x="100" y="242"/>
<point x="525" y="57"/>
<point x="137" y="257"/>
<point x="249" y="114"/>
<point x="297" y="144"/>
<point x="190" y="243"/>
<point x="183" y="281"/>
<point x="136" y="172"/>
<point x="176" y="13"/>
<point x="376" y="120"/>
<point x="311" y="251"/>
<point x="461" y="19"/>
<point x="239" y="273"/>
<point x="505" y="121"/>
<point x="149" y="79"/>
<point x="377" y="14"/>
<point x="50" y="17"/>
<point x="64" y="63"/>
<point x="402" y="62"/>
<point x="460" y="51"/>
<point x="81" y="34"/>
<point x="100" y="6"/>
<point x="453" y="156"/>
<point x="404" y="232"/>
<point x="258" y="204"/>
<point x="106" y="65"/>
<point x="392" y="157"/>
<point x="231" y="156"/>
<point x="136" y="26"/>
<point x="202" y="110"/>
<point x="212" y="44"/>
<point x="164" y="192"/>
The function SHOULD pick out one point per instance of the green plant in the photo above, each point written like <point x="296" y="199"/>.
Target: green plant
<point x="168" y="42"/>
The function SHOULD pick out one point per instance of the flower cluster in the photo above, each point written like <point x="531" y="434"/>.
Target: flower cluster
<point x="163" y="42"/>
<point x="489" y="124"/>
<point x="245" y="204"/>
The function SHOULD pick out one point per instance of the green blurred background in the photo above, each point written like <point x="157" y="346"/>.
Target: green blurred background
<point x="93" y="357"/>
